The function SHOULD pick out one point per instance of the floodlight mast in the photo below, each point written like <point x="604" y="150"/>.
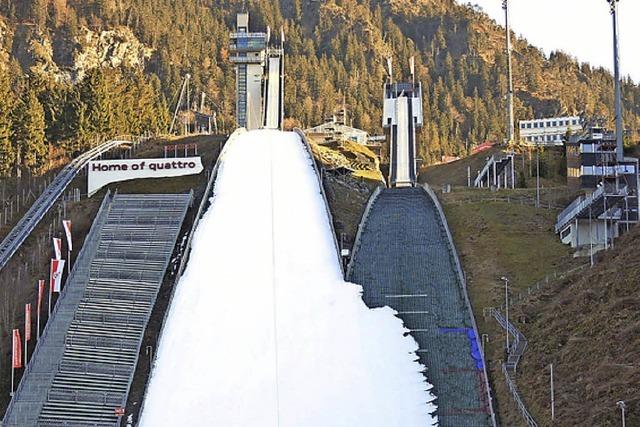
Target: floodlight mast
<point x="616" y="73"/>
<point x="511" y="124"/>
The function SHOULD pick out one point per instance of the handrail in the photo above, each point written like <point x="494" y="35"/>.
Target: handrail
<point x="518" y="344"/>
<point x="484" y="171"/>
<point x="580" y="204"/>
<point x="576" y="207"/>
<point x="518" y="400"/>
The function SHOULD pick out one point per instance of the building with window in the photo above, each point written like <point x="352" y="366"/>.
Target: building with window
<point x="610" y="204"/>
<point x="248" y="53"/>
<point x="551" y="132"/>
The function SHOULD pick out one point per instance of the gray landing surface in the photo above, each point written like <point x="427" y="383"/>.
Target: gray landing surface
<point x="405" y="261"/>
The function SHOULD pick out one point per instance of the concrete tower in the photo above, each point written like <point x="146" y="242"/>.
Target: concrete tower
<point x="248" y="52"/>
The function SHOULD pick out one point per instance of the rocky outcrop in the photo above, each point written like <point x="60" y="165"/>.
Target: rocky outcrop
<point x="59" y="57"/>
<point x="110" y="48"/>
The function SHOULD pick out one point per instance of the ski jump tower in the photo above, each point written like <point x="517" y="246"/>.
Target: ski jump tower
<point x="402" y="115"/>
<point x="259" y="77"/>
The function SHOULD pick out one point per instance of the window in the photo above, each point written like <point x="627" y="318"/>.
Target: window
<point x="573" y="172"/>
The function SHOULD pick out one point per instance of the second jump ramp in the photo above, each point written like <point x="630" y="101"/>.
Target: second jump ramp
<point x="404" y="258"/>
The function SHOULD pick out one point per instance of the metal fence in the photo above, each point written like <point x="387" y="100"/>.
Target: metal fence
<point x="520" y="297"/>
<point x="513" y="389"/>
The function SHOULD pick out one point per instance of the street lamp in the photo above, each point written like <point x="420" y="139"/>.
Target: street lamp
<point x="620" y="404"/>
<point x="506" y="307"/>
<point x="616" y="71"/>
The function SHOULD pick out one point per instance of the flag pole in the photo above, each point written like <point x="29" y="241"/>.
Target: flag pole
<point x="38" y="325"/>
<point x="13" y="368"/>
<point x="39" y="306"/>
<point x="13" y="374"/>
<point x="50" y="296"/>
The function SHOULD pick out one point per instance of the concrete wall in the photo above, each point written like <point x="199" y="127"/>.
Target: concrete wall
<point x="582" y="234"/>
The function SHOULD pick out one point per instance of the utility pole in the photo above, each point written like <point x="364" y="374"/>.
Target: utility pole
<point x="182" y="90"/>
<point x="537" y="176"/>
<point x="506" y="307"/>
<point x="616" y="72"/>
<point x="511" y="124"/>
<point x="620" y="404"/>
<point x="553" y="397"/>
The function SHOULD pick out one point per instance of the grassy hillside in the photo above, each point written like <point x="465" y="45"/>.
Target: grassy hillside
<point x="589" y="328"/>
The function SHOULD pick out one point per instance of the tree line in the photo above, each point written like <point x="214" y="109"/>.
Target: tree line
<point x="336" y="50"/>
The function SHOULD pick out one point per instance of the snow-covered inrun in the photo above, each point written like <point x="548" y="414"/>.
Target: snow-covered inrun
<point x="263" y="330"/>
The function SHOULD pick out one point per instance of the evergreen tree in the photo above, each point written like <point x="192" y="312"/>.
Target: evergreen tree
<point x="29" y="133"/>
<point x="7" y="152"/>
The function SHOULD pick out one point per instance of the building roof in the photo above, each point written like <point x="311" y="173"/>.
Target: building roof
<point x="334" y="127"/>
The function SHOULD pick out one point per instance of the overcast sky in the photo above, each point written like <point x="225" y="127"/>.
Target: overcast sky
<point x="582" y="28"/>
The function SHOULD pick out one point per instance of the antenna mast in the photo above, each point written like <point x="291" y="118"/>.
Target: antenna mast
<point x="618" y="89"/>
<point x="511" y="124"/>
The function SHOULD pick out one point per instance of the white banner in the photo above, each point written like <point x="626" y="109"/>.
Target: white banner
<point x="57" y="247"/>
<point x="57" y="267"/>
<point x="67" y="230"/>
<point x="104" y="172"/>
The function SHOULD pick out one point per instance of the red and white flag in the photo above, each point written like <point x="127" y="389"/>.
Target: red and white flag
<point x="55" y="278"/>
<point x="67" y="231"/>
<point x="40" y="294"/>
<point x="17" y="349"/>
<point x="57" y="247"/>
<point x="27" y="322"/>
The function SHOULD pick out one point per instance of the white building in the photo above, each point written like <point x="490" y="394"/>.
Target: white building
<point x="550" y="131"/>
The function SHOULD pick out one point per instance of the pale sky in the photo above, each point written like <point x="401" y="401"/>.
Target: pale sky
<point x="581" y="28"/>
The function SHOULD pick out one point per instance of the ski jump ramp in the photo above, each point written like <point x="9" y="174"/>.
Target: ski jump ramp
<point x="404" y="258"/>
<point x="274" y="93"/>
<point x="262" y="329"/>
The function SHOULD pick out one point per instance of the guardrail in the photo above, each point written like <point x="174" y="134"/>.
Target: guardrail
<point x="518" y="344"/>
<point x="576" y="207"/>
<point x="361" y="226"/>
<point x="47" y="199"/>
<point x="515" y="352"/>
<point x="303" y="138"/>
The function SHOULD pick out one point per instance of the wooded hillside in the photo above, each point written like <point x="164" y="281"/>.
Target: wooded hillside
<point x="95" y="67"/>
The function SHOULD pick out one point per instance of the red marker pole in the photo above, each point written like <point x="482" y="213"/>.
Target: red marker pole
<point x="27" y="330"/>
<point x="39" y="307"/>
<point x="16" y="362"/>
